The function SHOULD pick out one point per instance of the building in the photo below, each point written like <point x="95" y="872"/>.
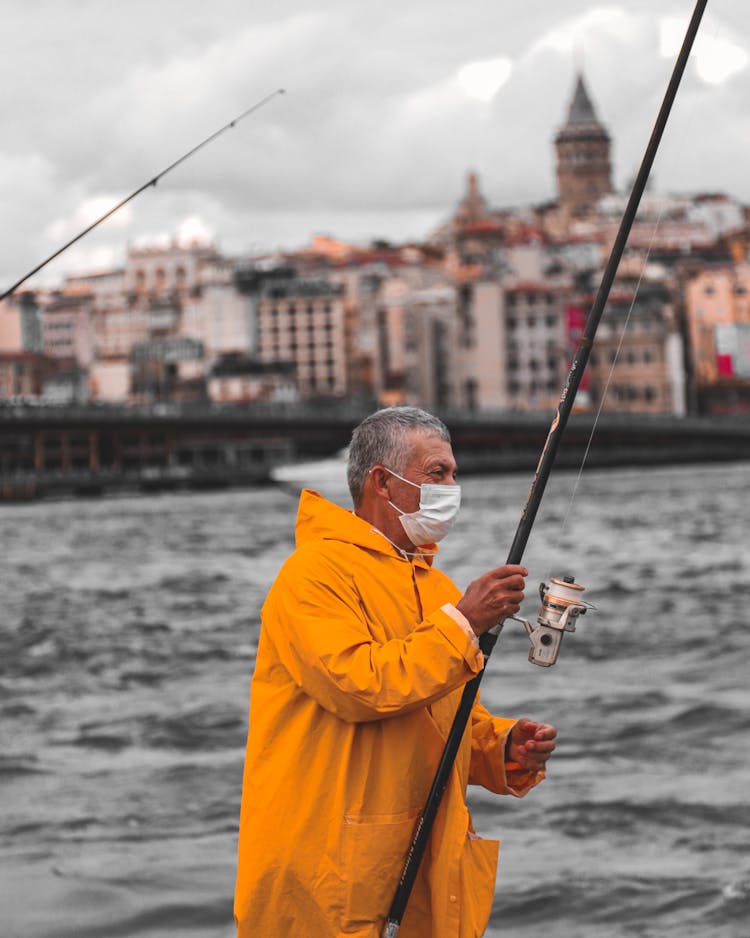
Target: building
<point x="582" y="148"/>
<point x="23" y="366"/>
<point x="21" y="324"/>
<point x="510" y="344"/>
<point x="415" y="329"/>
<point x="67" y="324"/>
<point x="636" y="364"/>
<point x="302" y="321"/>
<point x="22" y="375"/>
<point x="536" y="343"/>
<point x="480" y="346"/>
<point x="241" y="379"/>
<point x="717" y="322"/>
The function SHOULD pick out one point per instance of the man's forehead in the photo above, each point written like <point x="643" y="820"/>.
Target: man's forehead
<point x="432" y="448"/>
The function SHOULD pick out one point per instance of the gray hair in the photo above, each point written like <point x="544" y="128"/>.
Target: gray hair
<point x="381" y="440"/>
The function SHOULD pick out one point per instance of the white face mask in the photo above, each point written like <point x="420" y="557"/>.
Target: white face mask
<point x="438" y="507"/>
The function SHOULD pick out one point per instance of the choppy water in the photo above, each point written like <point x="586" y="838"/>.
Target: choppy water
<point x="127" y="642"/>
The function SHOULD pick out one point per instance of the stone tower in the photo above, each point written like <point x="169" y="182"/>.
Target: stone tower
<point x="473" y="207"/>
<point x="584" y="172"/>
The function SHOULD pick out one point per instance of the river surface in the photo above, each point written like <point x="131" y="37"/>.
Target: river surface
<point x="127" y="642"/>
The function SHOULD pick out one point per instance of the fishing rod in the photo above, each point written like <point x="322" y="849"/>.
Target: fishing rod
<point x="146" y="185"/>
<point x="539" y="482"/>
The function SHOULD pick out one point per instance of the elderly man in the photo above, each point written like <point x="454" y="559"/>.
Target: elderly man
<point x="365" y="647"/>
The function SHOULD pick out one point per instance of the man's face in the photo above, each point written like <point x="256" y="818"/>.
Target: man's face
<point x="431" y="461"/>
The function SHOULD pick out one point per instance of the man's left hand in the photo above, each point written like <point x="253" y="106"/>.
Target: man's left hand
<point x="530" y="744"/>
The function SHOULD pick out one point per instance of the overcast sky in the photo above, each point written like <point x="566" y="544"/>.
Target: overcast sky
<point x="387" y="107"/>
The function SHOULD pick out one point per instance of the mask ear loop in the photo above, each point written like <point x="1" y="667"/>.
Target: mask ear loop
<point x="395" y="507"/>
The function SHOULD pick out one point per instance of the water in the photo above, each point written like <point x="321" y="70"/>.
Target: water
<point x="127" y="642"/>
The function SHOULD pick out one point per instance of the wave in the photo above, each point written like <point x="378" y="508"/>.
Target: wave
<point x="612" y="905"/>
<point x="162" y="920"/>
<point x="589" y="818"/>
<point x="12" y="766"/>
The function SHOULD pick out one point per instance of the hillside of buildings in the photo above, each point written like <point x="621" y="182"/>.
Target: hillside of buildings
<point x="483" y="314"/>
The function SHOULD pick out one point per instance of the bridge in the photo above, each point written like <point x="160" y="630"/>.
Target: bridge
<point x="98" y="448"/>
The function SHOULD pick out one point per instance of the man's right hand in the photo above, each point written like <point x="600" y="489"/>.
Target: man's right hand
<point x="493" y="597"/>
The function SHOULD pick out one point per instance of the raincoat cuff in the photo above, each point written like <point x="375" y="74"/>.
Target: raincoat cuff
<point x="454" y="634"/>
<point x="517" y="780"/>
<point x="460" y="619"/>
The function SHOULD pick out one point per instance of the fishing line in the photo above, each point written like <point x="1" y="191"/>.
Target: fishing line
<point x="678" y="160"/>
<point x="151" y="182"/>
<point x="568" y="511"/>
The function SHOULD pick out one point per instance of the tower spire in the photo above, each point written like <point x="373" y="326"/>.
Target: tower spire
<point x="582" y="146"/>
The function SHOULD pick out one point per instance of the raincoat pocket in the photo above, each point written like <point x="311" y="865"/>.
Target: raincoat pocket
<point x="373" y="851"/>
<point x="478" y="871"/>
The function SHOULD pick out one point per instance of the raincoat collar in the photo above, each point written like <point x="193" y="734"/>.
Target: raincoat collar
<point x="319" y="519"/>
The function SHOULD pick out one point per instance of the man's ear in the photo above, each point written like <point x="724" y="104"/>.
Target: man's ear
<point x="380" y="476"/>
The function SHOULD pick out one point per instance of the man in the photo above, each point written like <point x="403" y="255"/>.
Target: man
<point x="364" y="650"/>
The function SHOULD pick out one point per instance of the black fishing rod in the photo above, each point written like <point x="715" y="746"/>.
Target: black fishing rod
<point x="543" y="471"/>
<point x="146" y="185"/>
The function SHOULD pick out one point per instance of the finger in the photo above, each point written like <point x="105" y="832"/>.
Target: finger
<point x="526" y="726"/>
<point x="507" y="574"/>
<point x="535" y="757"/>
<point x="512" y="569"/>
<point x="532" y="746"/>
<point x="500" y="596"/>
<point x="505" y="605"/>
<point x="545" y="731"/>
<point x="510" y="583"/>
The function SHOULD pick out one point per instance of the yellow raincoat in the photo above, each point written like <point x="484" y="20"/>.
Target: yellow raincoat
<point x="358" y="676"/>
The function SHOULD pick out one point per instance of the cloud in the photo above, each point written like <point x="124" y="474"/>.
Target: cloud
<point x="387" y="108"/>
<point x="193" y="229"/>
<point x="483" y="79"/>
<point x="717" y="57"/>
<point x="88" y="212"/>
<point x="585" y="33"/>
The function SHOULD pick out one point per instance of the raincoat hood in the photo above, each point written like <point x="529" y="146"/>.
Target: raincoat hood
<point x="320" y="519"/>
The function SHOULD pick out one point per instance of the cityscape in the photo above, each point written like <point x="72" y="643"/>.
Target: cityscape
<point x="483" y="316"/>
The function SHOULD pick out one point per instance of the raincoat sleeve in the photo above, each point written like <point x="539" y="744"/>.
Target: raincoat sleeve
<point x="314" y="617"/>
<point x="488" y="766"/>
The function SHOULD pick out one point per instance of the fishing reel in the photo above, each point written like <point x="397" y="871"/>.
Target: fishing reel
<point x="561" y="606"/>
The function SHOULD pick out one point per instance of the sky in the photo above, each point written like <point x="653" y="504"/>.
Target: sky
<point x="387" y="107"/>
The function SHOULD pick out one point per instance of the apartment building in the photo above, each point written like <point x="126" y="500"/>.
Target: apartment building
<point x="636" y="364"/>
<point x="301" y="320"/>
<point x="717" y="320"/>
